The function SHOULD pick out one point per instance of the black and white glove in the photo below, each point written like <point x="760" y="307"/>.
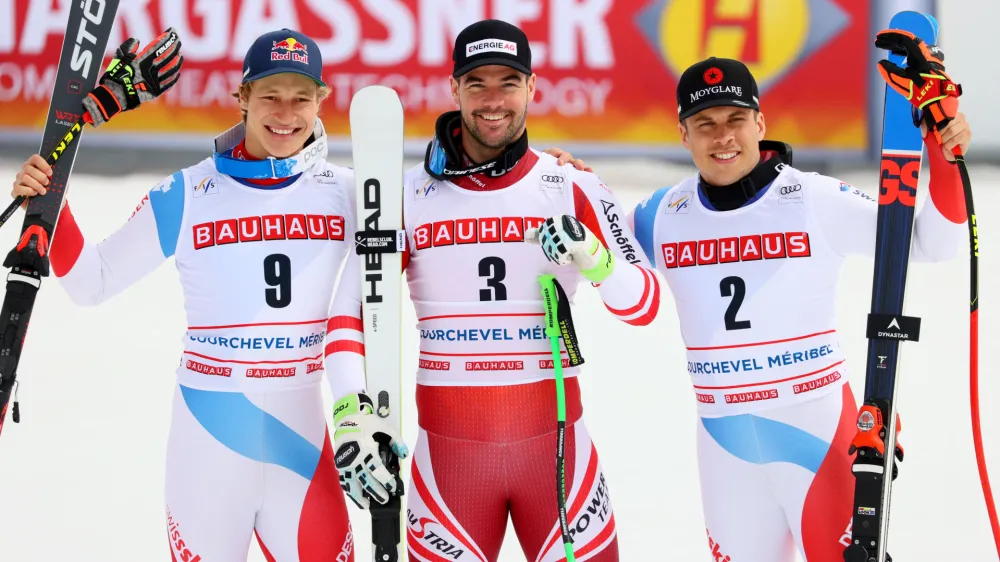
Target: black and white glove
<point x="565" y="240"/>
<point x="361" y="438"/>
<point x="135" y="76"/>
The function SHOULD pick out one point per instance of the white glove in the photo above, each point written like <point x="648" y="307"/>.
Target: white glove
<point x="357" y="438"/>
<point x="566" y="240"/>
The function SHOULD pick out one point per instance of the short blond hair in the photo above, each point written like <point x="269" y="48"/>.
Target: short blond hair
<point x="243" y="93"/>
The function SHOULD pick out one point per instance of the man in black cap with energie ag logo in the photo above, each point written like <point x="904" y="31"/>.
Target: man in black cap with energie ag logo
<point x="751" y="248"/>
<point x="476" y="212"/>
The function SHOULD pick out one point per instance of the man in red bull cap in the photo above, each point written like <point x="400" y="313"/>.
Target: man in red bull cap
<point x="258" y="233"/>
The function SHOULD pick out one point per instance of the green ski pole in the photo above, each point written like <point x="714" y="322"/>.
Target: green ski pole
<point x="553" y="331"/>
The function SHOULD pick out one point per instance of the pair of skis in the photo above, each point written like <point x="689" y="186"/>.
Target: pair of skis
<point x="875" y="446"/>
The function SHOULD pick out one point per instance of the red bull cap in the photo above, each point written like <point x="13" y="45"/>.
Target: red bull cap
<point x="283" y="51"/>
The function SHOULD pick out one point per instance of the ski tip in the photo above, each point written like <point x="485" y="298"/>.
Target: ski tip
<point x="376" y="102"/>
<point x="924" y="26"/>
<point x="376" y="94"/>
<point x="934" y="24"/>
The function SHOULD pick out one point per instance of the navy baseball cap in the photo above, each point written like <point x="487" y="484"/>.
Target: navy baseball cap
<point x="283" y="51"/>
<point x="491" y="42"/>
<point x="714" y="82"/>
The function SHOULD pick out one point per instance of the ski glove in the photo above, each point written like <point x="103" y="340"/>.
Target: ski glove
<point x="135" y="76"/>
<point x="923" y="81"/>
<point x="361" y="439"/>
<point x="565" y="240"/>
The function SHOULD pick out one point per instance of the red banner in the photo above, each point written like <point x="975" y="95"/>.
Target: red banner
<point x="607" y="70"/>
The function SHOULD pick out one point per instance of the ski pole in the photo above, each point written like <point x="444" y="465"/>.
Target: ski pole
<point x="552" y="330"/>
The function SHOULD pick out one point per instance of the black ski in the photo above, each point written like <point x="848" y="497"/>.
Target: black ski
<point x="80" y="65"/>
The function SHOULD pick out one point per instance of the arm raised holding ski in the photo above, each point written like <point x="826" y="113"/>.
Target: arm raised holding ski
<point x="91" y="273"/>
<point x="939" y="227"/>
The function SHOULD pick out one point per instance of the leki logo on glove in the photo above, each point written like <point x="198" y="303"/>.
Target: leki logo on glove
<point x="293" y="50"/>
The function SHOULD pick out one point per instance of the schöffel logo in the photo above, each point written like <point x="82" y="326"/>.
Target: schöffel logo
<point x="491" y="46"/>
<point x="473" y="231"/>
<point x="736" y="249"/>
<point x="267" y="228"/>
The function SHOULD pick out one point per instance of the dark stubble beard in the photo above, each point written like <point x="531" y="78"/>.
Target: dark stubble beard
<point x="509" y="135"/>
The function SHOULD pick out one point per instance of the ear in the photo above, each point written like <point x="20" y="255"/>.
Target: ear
<point x="244" y="100"/>
<point x="454" y="91"/>
<point x="761" y="127"/>
<point x="683" y="130"/>
<point x="531" y="88"/>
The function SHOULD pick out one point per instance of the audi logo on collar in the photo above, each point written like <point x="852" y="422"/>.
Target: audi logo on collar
<point x="553" y="179"/>
<point x="789" y="189"/>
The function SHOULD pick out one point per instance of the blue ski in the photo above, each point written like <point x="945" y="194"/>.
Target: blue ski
<point x="902" y="149"/>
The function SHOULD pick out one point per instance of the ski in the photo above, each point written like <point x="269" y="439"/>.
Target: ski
<point x="80" y="65"/>
<point x="874" y="446"/>
<point x="376" y="118"/>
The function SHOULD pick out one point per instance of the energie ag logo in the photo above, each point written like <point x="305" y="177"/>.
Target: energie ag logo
<point x="769" y="36"/>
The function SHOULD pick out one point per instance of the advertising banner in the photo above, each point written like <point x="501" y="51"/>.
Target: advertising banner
<point x="607" y="70"/>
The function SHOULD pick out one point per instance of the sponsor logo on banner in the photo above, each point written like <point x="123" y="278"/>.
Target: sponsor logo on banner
<point x="683" y="32"/>
<point x="775" y="245"/>
<point x="584" y="95"/>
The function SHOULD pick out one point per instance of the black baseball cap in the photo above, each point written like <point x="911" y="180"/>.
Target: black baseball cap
<point x="491" y="42"/>
<point x="280" y="51"/>
<point x="714" y="82"/>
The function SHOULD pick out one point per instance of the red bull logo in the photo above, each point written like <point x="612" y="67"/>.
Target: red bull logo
<point x="293" y="50"/>
<point x="770" y="36"/>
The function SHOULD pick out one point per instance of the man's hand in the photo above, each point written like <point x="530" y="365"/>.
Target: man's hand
<point x="134" y="76"/>
<point x="956" y="133"/>
<point x="32" y="179"/>
<point x="564" y="158"/>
